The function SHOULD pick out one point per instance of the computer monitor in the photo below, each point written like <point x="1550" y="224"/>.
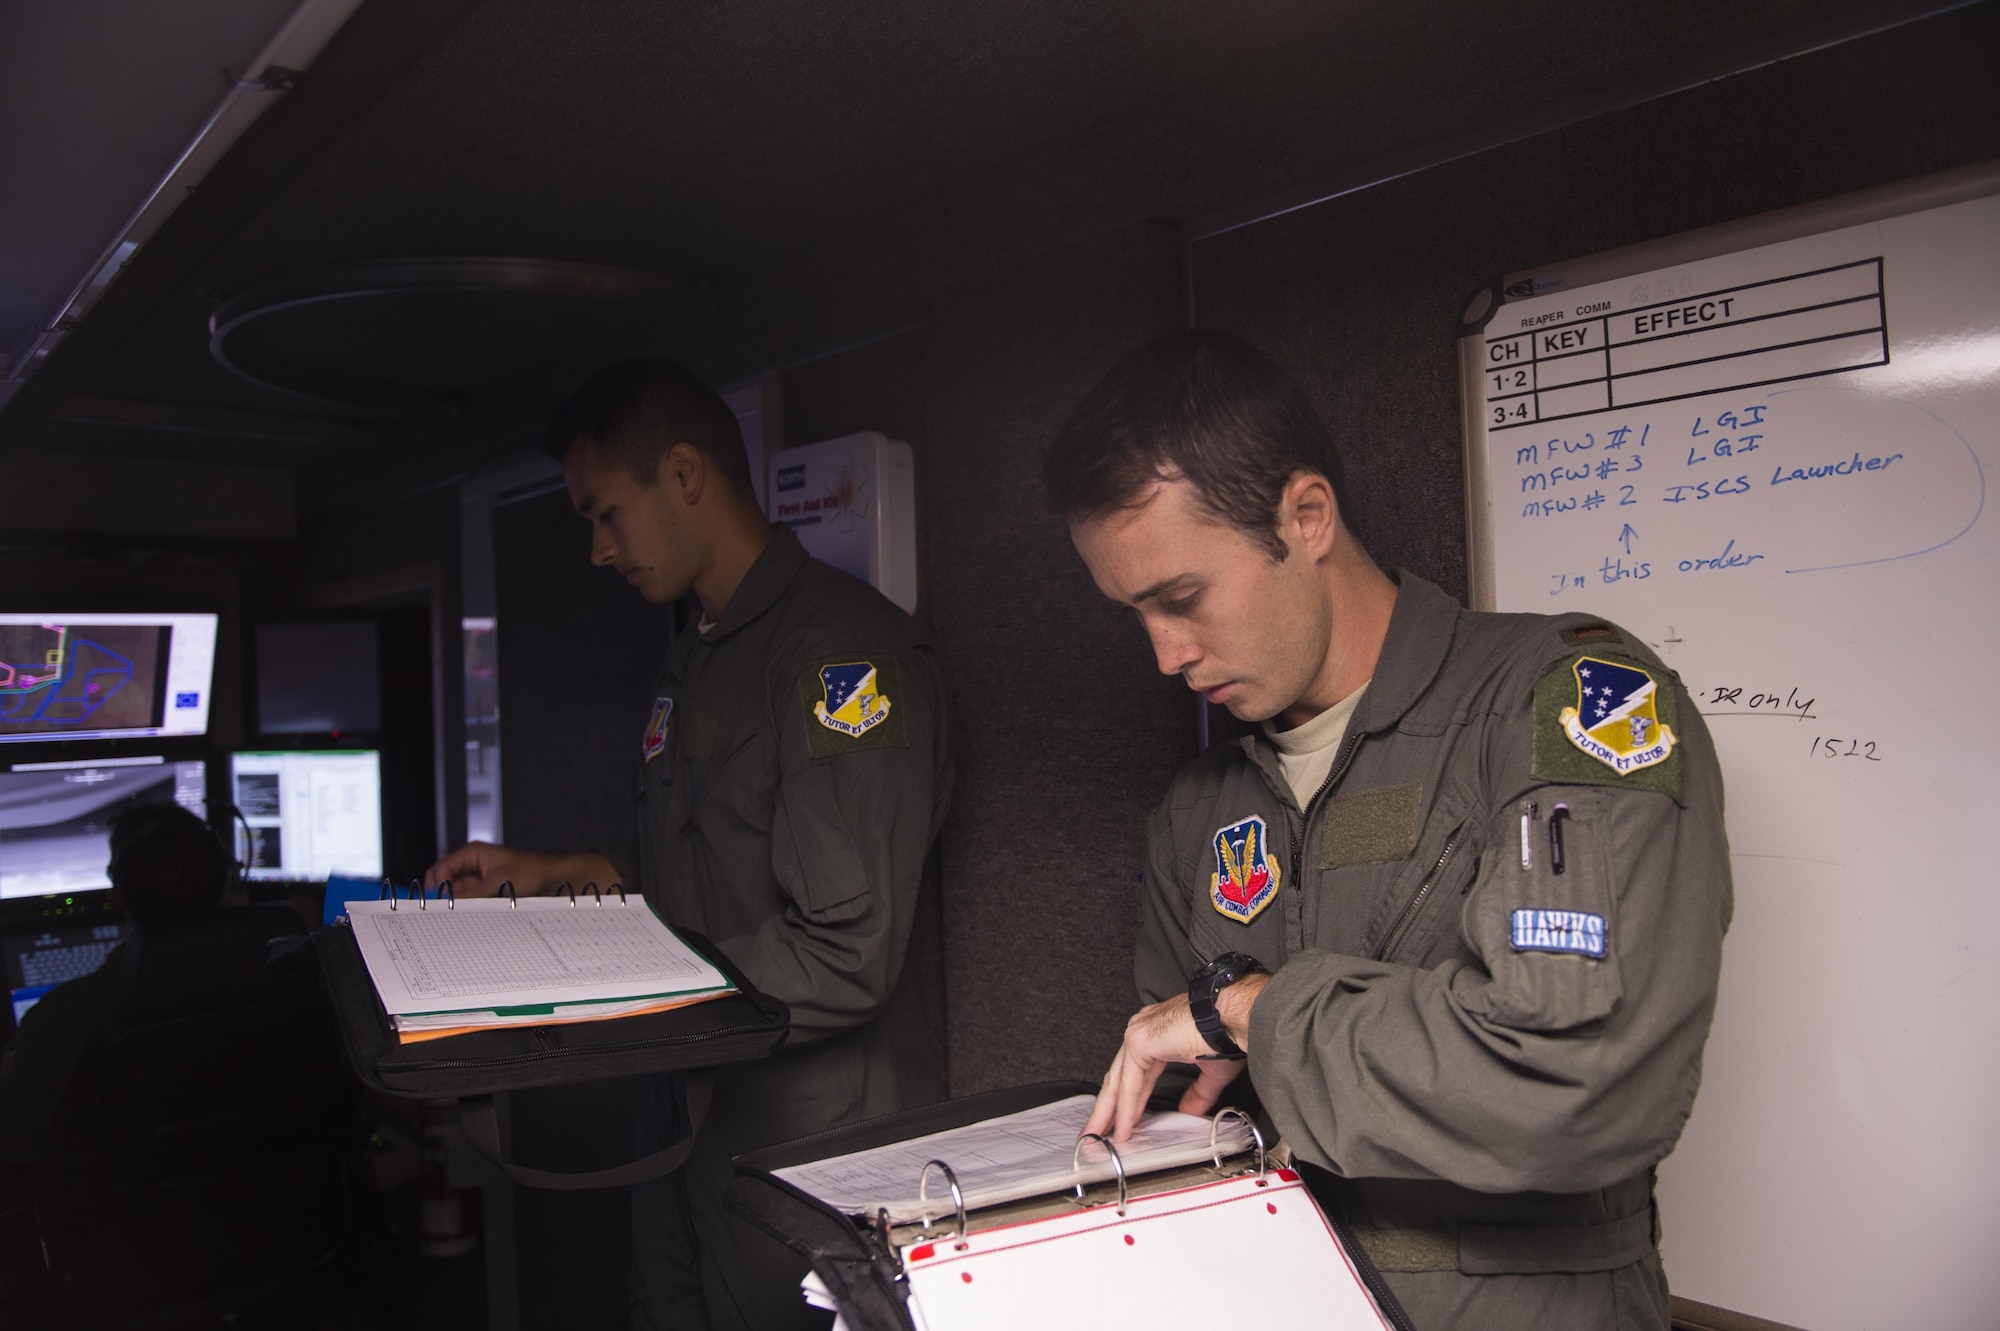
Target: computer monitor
<point x="310" y="813"/>
<point x="55" y="817"/>
<point x="321" y="678"/>
<point x="104" y="676"/>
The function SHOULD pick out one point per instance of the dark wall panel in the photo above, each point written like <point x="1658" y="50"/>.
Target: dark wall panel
<point x="1066" y="733"/>
<point x="578" y="652"/>
<point x="1361" y="296"/>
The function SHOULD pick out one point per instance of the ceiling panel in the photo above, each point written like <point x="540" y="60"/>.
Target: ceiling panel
<point x="818" y="172"/>
<point x="97" y="99"/>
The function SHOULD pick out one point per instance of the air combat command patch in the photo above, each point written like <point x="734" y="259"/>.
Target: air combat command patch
<point x="1246" y="876"/>
<point x="851" y="705"/>
<point x="656" y="727"/>
<point x="1606" y="723"/>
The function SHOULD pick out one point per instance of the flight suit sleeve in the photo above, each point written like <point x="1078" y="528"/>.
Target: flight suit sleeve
<point x="1164" y="960"/>
<point x="1560" y="1048"/>
<point x="862" y="789"/>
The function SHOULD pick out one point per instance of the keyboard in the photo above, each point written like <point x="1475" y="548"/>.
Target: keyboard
<point x="56" y="964"/>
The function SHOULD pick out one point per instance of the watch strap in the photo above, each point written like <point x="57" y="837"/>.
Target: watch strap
<point x="1206" y="984"/>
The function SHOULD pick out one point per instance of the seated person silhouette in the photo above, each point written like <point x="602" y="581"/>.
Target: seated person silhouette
<point x="167" y="872"/>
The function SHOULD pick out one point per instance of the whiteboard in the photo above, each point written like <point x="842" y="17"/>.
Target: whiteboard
<point x="1766" y="450"/>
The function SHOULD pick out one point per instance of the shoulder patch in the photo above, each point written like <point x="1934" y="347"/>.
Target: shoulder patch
<point x="1601" y="722"/>
<point x="852" y="704"/>
<point x="1246" y="873"/>
<point x="1589" y="633"/>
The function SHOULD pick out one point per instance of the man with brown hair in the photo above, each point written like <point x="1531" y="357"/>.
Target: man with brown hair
<point x="794" y="767"/>
<point x="1456" y="902"/>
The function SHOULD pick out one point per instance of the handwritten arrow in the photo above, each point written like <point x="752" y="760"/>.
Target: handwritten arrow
<point x="1627" y="537"/>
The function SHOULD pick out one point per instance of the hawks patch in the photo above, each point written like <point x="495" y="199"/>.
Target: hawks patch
<point x="1575" y="931"/>
<point x="1246" y="875"/>
<point x="656" y="727"/>
<point x="1616" y="718"/>
<point x="851" y="705"/>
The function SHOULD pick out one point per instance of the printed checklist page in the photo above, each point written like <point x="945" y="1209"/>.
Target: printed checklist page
<point x="1005" y="1159"/>
<point x="489" y="953"/>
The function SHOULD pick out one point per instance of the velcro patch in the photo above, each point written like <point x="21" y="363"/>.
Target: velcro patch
<point x="1589" y="633"/>
<point x="1602" y="721"/>
<point x="1573" y="931"/>
<point x="852" y="704"/>
<point x="1371" y="826"/>
<point x="699" y="728"/>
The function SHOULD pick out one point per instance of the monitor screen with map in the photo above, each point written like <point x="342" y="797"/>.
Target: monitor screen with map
<point x="104" y="676"/>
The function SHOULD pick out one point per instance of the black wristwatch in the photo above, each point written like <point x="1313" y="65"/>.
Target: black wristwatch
<point x="1204" y="985"/>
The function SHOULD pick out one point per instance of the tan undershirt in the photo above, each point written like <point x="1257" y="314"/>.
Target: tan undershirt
<point x="1306" y="752"/>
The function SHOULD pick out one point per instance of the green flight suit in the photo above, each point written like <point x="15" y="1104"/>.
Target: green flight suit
<point x="1480" y="1059"/>
<point x="798" y="768"/>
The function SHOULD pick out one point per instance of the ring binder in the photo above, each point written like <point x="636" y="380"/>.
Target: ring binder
<point x="564" y="887"/>
<point x="1215" y="1126"/>
<point x="507" y="887"/>
<point x="883" y="1235"/>
<point x="1041" y="1258"/>
<point x="1117" y="1163"/>
<point x="951" y="1181"/>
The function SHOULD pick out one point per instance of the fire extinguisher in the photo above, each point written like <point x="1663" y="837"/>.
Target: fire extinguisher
<point x="450" y="1214"/>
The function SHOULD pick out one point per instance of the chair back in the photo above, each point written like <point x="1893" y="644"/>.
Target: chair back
<point x="198" y="1160"/>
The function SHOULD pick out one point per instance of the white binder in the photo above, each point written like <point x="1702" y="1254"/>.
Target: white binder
<point x="1175" y="1247"/>
<point x="1183" y="1257"/>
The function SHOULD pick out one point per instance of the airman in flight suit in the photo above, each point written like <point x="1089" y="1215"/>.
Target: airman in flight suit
<point x="794" y="769"/>
<point x="1459" y="896"/>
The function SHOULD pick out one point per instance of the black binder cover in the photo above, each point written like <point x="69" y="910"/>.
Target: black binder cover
<point x="862" y="1277"/>
<point x="744" y="1026"/>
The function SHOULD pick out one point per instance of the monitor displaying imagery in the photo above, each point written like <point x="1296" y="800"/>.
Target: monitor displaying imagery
<point x="310" y="814"/>
<point x="104" y="676"/>
<point x="55" y="818"/>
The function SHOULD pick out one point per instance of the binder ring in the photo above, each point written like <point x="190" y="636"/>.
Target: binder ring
<point x="513" y="902"/>
<point x="951" y="1181"/>
<point x="450" y="897"/>
<point x="1215" y="1127"/>
<point x="388" y="891"/>
<point x="417" y="891"/>
<point x="592" y="889"/>
<point x="884" y="1237"/>
<point x="1076" y="1156"/>
<point x="619" y="888"/>
<point x="565" y="887"/>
